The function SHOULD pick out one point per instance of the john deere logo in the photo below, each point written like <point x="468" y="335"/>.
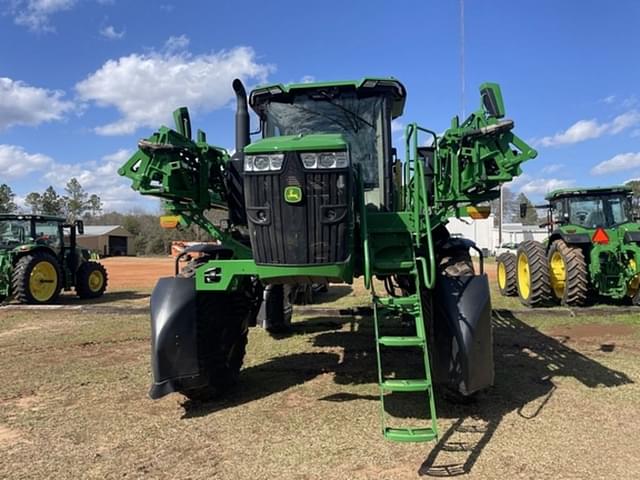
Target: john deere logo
<point x="293" y="194"/>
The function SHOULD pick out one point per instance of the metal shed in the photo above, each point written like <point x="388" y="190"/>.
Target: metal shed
<point x="107" y="240"/>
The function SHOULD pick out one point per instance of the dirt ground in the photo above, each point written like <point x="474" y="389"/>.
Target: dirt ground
<point x="73" y="399"/>
<point x="137" y="272"/>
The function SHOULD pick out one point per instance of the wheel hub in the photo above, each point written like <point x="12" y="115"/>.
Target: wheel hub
<point x="558" y="274"/>
<point x="43" y="281"/>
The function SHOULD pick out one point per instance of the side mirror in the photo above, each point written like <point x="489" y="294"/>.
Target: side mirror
<point x="80" y="227"/>
<point x="523" y="210"/>
<point x="492" y="99"/>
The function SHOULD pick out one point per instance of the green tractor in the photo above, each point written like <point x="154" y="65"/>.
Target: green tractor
<point x="321" y="196"/>
<point x="593" y="248"/>
<point x="37" y="262"/>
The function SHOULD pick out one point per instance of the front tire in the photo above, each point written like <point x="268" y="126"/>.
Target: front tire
<point x="223" y="328"/>
<point x="91" y="280"/>
<point x="532" y="274"/>
<point x="506" y="274"/>
<point x="568" y="274"/>
<point x="36" y="278"/>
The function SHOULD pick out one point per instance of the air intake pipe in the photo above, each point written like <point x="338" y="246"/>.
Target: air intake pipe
<point x="242" y="116"/>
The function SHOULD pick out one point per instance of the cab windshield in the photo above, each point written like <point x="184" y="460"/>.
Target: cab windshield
<point x="14" y="233"/>
<point x="359" y="120"/>
<point x="599" y="211"/>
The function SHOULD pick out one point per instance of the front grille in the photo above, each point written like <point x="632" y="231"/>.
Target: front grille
<point x="314" y="231"/>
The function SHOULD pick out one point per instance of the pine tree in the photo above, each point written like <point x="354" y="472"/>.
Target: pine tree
<point x="52" y="203"/>
<point x="7" y="197"/>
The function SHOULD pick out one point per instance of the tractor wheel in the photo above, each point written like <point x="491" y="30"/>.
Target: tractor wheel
<point x="276" y="310"/>
<point x="91" y="280"/>
<point x="507" y="274"/>
<point x="633" y="289"/>
<point x="568" y="274"/>
<point x="223" y="326"/>
<point x="456" y="263"/>
<point x="36" y="278"/>
<point x="532" y="274"/>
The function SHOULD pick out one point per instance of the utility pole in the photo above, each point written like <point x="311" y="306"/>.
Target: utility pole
<point x="462" y="59"/>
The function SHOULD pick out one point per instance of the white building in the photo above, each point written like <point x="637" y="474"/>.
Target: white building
<point x="486" y="235"/>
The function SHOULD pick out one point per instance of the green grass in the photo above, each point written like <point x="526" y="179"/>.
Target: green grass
<point x="74" y="397"/>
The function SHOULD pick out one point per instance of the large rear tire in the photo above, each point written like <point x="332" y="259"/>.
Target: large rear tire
<point x="91" y="280"/>
<point x="532" y="274"/>
<point x="36" y="278"/>
<point x="506" y="274"/>
<point x="568" y="274"/>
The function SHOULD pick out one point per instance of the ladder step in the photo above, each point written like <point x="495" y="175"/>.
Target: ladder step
<point x="401" y="341"/>
<point x="410" y="434"/>
<point x="393" y="266"/>
<point x="409" y="300"/>
<point x="398" y="385"/>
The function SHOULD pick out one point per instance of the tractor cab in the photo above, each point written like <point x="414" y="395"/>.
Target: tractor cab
<point x="360" y="112"/>
<point x="592" y="208"/>
<point x="36" y="230"/>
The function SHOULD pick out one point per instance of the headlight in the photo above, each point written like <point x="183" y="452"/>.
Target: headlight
<point x="325" y="160"/>
<point x="263" y="163"/>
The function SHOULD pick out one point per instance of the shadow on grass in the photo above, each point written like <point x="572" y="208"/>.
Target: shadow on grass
<point x="526" y="361"/>
<point x="271" y="377"/>
<point x="333" y="294"/>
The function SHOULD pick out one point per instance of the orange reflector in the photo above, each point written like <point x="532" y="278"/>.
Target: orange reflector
<point x="600" y="237"/>
<point x="478" y="213"/>
<point x="169" y="221"/>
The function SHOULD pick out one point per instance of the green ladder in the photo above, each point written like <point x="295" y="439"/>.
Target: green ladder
<point x="409" y="306"/>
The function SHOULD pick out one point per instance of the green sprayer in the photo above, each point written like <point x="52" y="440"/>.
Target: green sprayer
<point x="321" y="196"/>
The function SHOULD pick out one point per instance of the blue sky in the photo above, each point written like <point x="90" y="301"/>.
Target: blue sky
<point x="82" y="80"/>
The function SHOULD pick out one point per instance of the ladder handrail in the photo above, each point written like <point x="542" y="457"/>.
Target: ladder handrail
<point x="416" y="185"/>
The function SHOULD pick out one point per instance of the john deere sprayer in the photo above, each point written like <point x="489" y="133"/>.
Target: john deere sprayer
<point x="593" y="248"/>
<point x="39" y="257"/>
<point x="321" y="196"/>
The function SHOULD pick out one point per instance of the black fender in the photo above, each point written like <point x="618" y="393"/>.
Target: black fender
<point x="570" y="238"/>
<point x="174" y="338"/>
<point x="462" y="333"/>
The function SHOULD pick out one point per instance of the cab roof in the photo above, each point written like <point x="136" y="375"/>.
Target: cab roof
<point x="21" y="216"/>
<point x="575" y="192"/>
<point x="367" y="86"/>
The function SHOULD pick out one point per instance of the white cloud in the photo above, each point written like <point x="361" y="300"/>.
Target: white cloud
<point x="22" y="104"/>
<point x="618" y="163"/>
<point x="176" y="44"/>
<point x="397" y="126"/>
<point x="588" y="129"/>
<point x="609" y="100"/>
<point x="100" y="177"/>
<point x="543" y="186"/>
<point x="111" y="33"/>
<point x="308" y="79"/>
<point x="146" y="88"/>
<point x="35" y="14"/>
<point x="554" y="167"/>
<point x="537" y="186"/>
<point x="15" y="162"/>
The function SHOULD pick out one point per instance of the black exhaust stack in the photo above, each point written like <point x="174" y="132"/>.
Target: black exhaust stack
<point x="235" y="183"/>
<point x="242" y="116"/>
